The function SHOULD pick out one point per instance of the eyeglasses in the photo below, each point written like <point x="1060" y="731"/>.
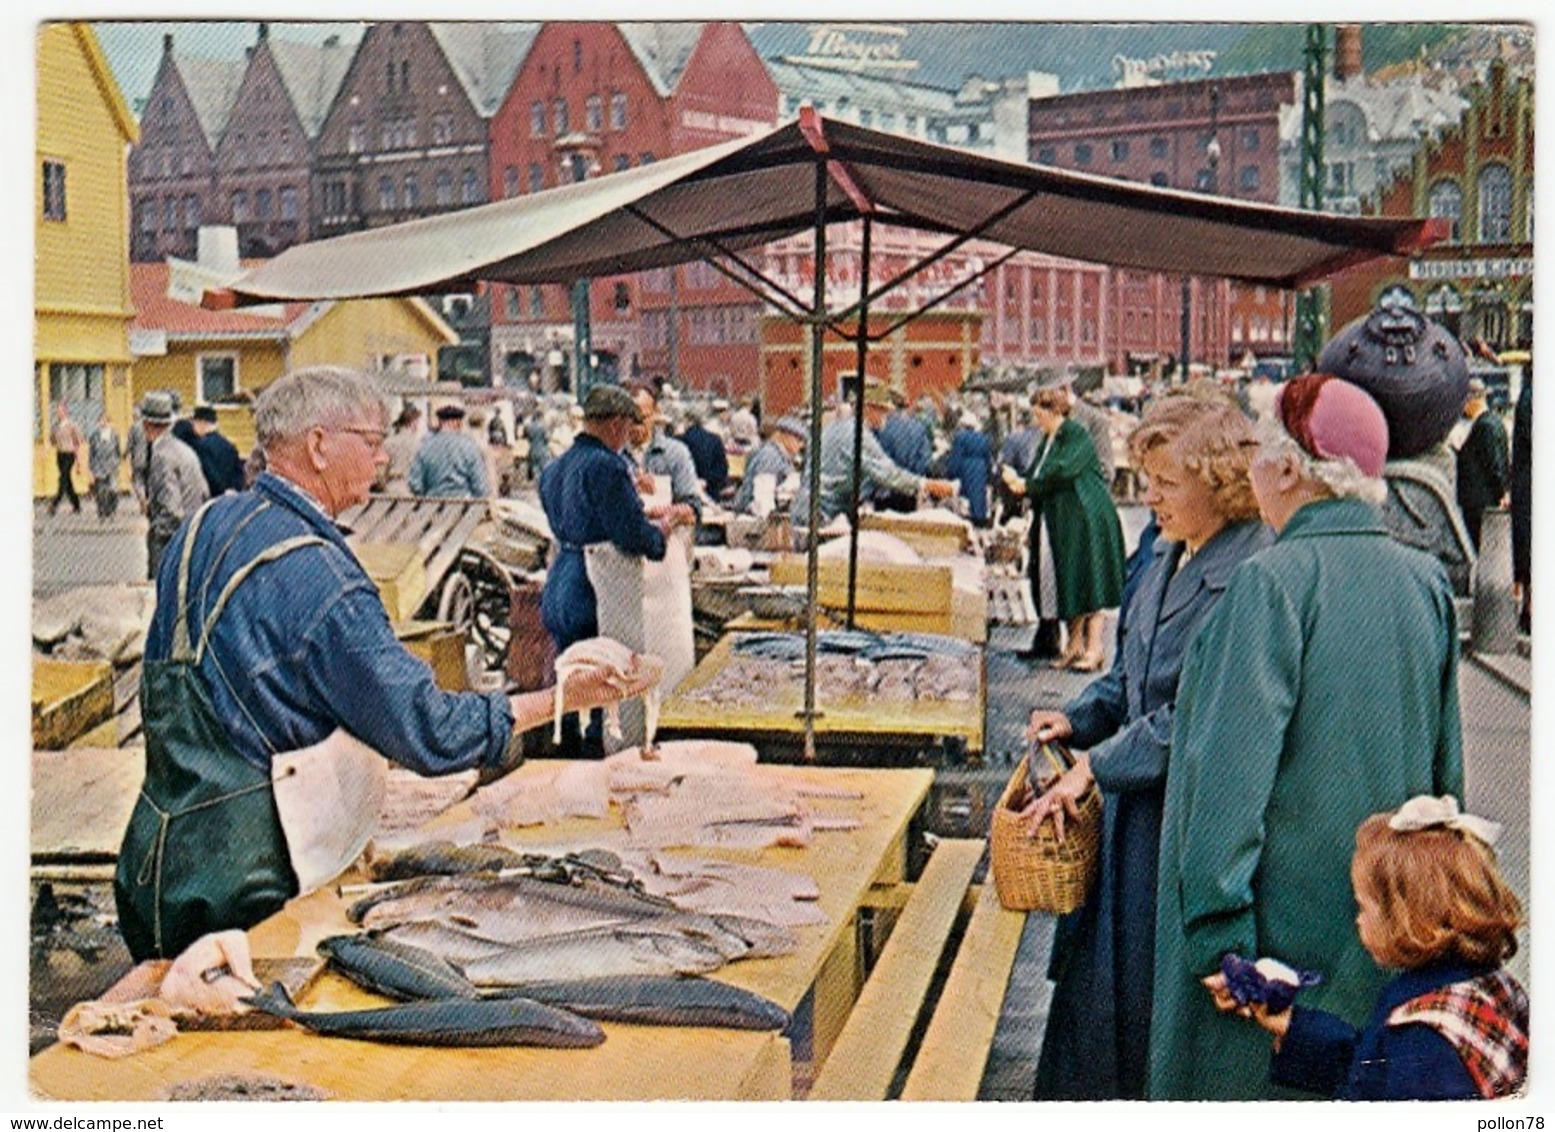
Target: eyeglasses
<point x="373" y="436"/>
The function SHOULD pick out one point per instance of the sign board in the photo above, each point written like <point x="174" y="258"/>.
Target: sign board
<point x="1504" y="267"/>
<point x="859" y="47"/>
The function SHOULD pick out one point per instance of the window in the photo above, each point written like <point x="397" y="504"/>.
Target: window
<point x="866" y="117"/>
<point x="623" y="161"/>
<point x="288" y="202"/>
<point x="147" y="210"/>
<point x="385" y="193"/>
<point x="1082" y="154"/>
<point x="537" y="119"/>
<point x="217" y="377"/>
<point x="1120" y="151"/>
<point x="442" y="129"/>
<point x="577" y="56"/>
<point x="1341" y="178"/>
<point x="445" y="188"/>
<point x="191" y="212"/>
<point x="388" y="76"/>
<point x="887" y="120"/>
<point x="559" y="116"/>
<point x="262" y="147"/>
<point x="1446" y="200"/>
<point x="1047" y="155"/>
<point x="594" y="112"/>
<point x="622" y="298"/>
<point x="1159" y="147"/>
<point x="1248" y="180"/>
<point x="412" y="191"/>
<point x="334" y="198"/>
<point x="1495" y="204"/>
<point x="510" y="301"/>
<point x="536" y="178"/>
<point x="81" y="388"/>
<point x="170" y="213"/>
<point x="510" y="185"/>
<point x="1250" y="139"/>
<point x="470" y="188"/>
<point x="356" y="138"/>
<point x="405" y="76"/>
<point x="618" y="111"/>
<point x="53" y="190"/>
<point x="536" y="303"/>
<point x="645" y="158"/>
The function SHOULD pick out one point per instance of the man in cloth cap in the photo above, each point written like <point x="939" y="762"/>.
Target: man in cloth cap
<point x="879" y="470"/>
<point x="590" y="496"/>
<point x="775" y="458"/>
<point x="219" y="458"/>
<point x="175" y="483"/>
<point x="449" y="464"/>
<point x="1322" y="689"/>
<point x="1484" y="472"/>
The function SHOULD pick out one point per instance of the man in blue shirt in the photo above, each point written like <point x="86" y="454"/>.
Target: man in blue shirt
<point x="775" y="458"/>
<point x="657" y="454"/>
<point x="449" y="463"/>
<point x="905" y="438"/>
<point x="271" y="665"/>
<point x="707" y="455"/>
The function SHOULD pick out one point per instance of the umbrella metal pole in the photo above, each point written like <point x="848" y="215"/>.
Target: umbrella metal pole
<point x="813" y="465"/>
<point x="858" y="424"/>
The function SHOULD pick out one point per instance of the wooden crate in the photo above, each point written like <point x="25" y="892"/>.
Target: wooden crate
<point x="440" y="645"/>
<point x="399" y="572"/>
<point x="930" y="538"/>
<point x="908" y="598"/>
<point x="68" y="698"/>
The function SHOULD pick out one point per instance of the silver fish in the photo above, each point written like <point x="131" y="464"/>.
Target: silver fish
<point x="505" y="907"/>
<point x="395" y="969"/>
<point x="449" y="1022"/>
<point x="656" y="1001"/>
<point x="629" y="949"/>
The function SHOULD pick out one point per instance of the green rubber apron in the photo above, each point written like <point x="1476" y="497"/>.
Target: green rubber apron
<point x="207" y="848"/>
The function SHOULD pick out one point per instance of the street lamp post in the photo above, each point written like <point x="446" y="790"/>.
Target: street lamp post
<point x="1212" y="155"/>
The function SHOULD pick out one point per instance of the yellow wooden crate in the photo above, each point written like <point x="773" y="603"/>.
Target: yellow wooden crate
<point x="930" y="538"/>
<point x="68" y="698"/>
<point x="440" y="645"/>
<point x="399" y="572"/>
<point x="905" y="598"/>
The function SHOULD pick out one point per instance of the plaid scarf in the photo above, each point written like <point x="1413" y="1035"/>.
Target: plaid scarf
<point x="1486" y="1020"/>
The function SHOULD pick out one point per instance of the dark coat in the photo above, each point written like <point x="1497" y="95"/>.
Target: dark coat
<point x="971" y="461"/>
<point x="1098" y="1029"/>
<point x="220" y="462"/>
<point x="589" y="497"/>
<point x="1521" y="483"/>
<point x="1068" y="490"/>
<point x="1482" y="470"/>
<point x="712" y="462"/>
<point x="1322" y="689"/>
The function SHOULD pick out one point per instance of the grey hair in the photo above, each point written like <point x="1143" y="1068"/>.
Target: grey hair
<point x="315" y="397"/>
<point x="1342" y="478"/>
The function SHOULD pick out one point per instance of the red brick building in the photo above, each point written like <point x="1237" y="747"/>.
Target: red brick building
<point x="1479" y="175"/>
<point x="1162" y="135"/>
<point x="591" y="99"/>
<point x="172" y="181"/>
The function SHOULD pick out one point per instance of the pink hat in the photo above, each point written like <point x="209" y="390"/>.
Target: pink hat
<point x="1332" y="419"/>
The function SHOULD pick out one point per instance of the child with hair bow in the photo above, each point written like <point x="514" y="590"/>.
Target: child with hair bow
<point x="1454" y="1024"/>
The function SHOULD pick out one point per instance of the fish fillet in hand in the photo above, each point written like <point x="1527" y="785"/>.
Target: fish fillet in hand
<point x="622" y="669"/>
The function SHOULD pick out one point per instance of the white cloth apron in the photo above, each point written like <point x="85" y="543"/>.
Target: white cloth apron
<point x="329" y="797"/>
<point x="638" y="601"/>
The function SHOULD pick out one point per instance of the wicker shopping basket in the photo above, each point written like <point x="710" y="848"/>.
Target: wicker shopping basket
<point x="1042" y="873"/>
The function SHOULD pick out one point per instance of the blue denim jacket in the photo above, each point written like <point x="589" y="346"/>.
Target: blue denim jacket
<point x="305" y="645"/>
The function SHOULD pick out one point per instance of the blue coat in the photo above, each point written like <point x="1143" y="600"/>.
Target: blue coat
<point x="906" y="441"/>
<point x="448" y="464"/>
<point x="1099" y="1028"/>
<point x="970" y="461"/>
<point x="589" y="497"/>
<point x="707" y="453"/>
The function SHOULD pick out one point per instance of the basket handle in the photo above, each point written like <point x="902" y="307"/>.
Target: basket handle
<point x="1059" y="757"/>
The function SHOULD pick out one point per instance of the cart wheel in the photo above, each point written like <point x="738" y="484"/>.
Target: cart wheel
<point x="488" y="588"/>
<point x="457" y="602"/>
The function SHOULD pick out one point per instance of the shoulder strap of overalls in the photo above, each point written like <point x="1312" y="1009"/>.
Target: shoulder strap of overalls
<point x="181" y="650"/>
<point x="269" y="554"/>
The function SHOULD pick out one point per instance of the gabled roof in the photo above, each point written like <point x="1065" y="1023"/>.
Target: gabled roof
<point x="663" y="49"/>
<point x="154" y="310"/>
<point x="312" y="74"/>
<point x="212" y="85"/>
<point x="485" y="57"/>
<point x="103" y="74"/>
<point x="753" y="190"/>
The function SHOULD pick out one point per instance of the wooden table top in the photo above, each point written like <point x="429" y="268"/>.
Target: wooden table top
<point x="634" y="1063"/>
<point x="857" y="715"/>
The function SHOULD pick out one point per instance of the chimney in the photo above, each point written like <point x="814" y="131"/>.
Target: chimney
<point x="1347" y="52"/>
<point x="167" y="44"/>
<point x="264" y="32"/>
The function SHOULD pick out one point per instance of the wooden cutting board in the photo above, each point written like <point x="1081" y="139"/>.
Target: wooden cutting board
<point x="295" y="974"/>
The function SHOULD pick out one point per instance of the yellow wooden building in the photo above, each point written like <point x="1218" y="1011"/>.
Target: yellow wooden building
<point x="81" y="299"/>
<point x="206" y="356"/>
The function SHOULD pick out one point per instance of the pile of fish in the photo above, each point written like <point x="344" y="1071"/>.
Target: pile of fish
<point x="94" y="623"/>
<point x="697" y="793"/>
<point x="849" y="665"/>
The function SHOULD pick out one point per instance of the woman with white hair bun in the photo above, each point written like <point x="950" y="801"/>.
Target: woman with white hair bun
<point x="1322" y="689"/>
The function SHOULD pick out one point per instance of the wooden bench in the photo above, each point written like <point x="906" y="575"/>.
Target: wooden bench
<point x="867" y="1058"/>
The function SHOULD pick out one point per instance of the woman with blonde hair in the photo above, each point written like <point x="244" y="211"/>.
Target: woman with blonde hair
<point x="1070" y="496"/>
<point x="1192" y="451"/>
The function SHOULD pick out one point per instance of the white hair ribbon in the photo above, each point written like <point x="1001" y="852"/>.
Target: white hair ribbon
<point x="1424" y="812"/>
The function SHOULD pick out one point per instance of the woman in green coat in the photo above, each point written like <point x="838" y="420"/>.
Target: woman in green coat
<point x="1322" y="689"/>
<point x="1068" y="492"/>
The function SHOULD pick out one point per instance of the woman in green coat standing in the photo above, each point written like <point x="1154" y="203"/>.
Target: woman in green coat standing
<point x="1068" y="491"/>
<point x="1322" y="689"/>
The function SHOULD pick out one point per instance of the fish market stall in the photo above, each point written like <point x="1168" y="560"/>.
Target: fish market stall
<point x="633" y="1062"/>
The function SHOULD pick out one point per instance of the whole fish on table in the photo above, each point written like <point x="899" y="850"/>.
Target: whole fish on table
<point x="448" y="1022"/>
<point x="395" y="969"/>
<point x="440" y="858"/>
<point x="505" y="907"/>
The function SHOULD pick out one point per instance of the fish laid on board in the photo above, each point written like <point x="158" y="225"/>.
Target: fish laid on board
<point x="656" y="1001"/>
<point x="395" y="969"/>
<point x="448" y="1022"/>
<point x="505" y="908"/>
<point x="438" y="858"/>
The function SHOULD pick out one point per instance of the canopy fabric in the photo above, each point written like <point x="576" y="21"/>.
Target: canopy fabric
<point x="752" y="190"/>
